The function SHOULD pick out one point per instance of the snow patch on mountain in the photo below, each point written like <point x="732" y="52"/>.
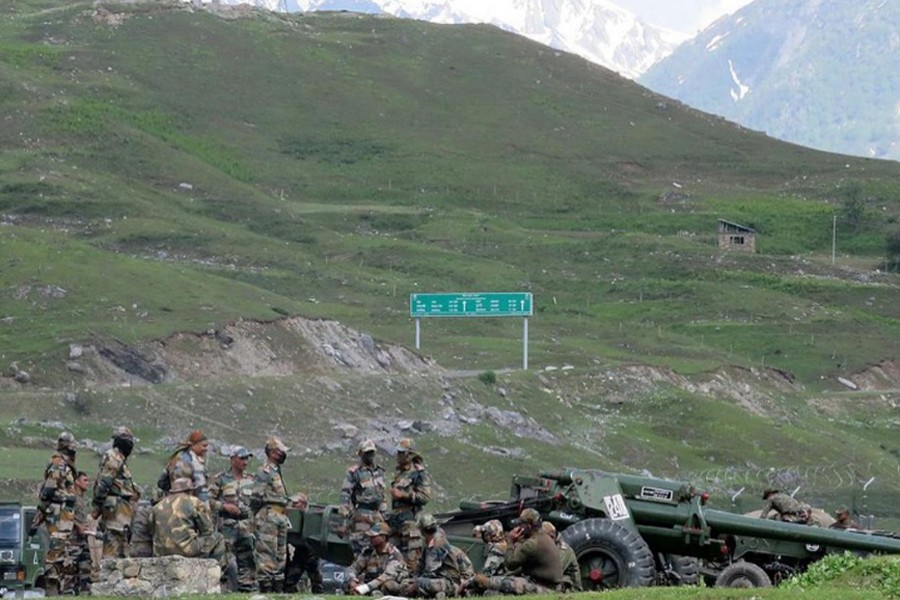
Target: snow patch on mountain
<point x="737" y="94"/>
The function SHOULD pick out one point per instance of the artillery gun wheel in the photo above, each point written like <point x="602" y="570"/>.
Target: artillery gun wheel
<point x="610" y="555"/>
<point x="743" y="574"/>
<point x="681" y="570"/>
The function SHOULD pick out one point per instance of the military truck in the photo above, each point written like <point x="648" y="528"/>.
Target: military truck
<point x="632" y="531"/>
<point x="22" y="549"/>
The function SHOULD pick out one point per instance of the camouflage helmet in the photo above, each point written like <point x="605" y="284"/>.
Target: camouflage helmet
<point x="275" y="443"/>
<point x="842" y="512"/>
<point x="529" y="516"/>
<point x="492" y="531"/>
<point x="66" y="441"/>
<point x="549" y="528"/>
<point x="379" y="528"/>
<point x="427" y="521"/>
<point x="366" y="445"/>
<point x="182" y="484"/>
<point x="407" y="445"/>
<point x="122" y="432"/>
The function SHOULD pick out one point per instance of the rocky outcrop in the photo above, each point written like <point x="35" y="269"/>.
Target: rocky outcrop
<point x="158" y="577"/>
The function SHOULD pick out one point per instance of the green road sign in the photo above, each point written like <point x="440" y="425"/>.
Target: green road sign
<point x="487" y="304"/>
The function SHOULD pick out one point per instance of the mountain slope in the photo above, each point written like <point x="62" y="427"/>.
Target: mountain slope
<point x="821" y="74"/>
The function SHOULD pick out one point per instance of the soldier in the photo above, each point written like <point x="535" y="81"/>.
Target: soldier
<point x="362" y="496"/>
<point x="491" y="533"/>
<point x="56" y="509"/>
<point x="379" y="568"/>
<point x="80" y="552"/>
<point x="571" y="571"/>
<point x="115" y="494"/>
<point x="271" y="525"/>
<point x="843" y="520"/>
<point x="182" y="526"/>
<point x="442" y="567"/>
<point x="141" y="544"/>
<point x="532" y="555"/>
<point x="188" y="460"/>
<point x="229" y="498"/>
<point x="788" y="509"/>
<point x="410" y="491"/>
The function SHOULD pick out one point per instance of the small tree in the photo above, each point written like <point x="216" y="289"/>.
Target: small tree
<point x="853" y="205"/>
<point x="892" y="250"/>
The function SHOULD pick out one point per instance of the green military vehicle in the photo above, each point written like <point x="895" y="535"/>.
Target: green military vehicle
<point x="631" y="531"/>
<point x="22" y="549"/>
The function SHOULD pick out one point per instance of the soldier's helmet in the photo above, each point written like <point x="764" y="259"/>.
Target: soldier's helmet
<point x="182" y="484"/>
<point x="122" y="432"/>
<point x="492" y="531"/>
<point x="407" y="445"/>
<point x="427" y="522"/>
<point x="66" y="441"/>
<point x="529" y="516"/>
<point x="275" y="443"/>
<point x="366" y="446"/>
<point x="768" y="492"/>
<point x="379" y="528"/>
<point x="240" y="452"/>
<point x="842" y="512"/>
<point x="549" y="528"/>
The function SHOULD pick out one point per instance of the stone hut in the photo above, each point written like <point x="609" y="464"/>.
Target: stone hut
<point x="733" y="236"/>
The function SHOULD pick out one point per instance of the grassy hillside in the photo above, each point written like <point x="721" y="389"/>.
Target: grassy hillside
<point x="163" y="171"/>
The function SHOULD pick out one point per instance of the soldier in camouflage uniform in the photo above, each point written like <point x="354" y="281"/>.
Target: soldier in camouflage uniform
<point x="410" y="491"/>
<point x="229" y="498"/>
<point x="270" y="523"/>
<point x="571" y="570"/>
<point x="56" y="507"/>
<point x="141" y="544"/>
<point x="188" y="460"/>
<point x="362" y="496"/>
<point x="789" y="509"/>
<point x="182" y="526"/>
<point x="115" y="494"/>
<point x="379" y="568"/>
<point x="442" y="568"/>
<point x="491" y="533"/>
<point x="843" y="520"/>
<point x="533" y="561"/>
<point x="79" y="551"/>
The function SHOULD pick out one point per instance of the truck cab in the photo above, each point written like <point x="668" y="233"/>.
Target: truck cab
<point x="21" y="550"/>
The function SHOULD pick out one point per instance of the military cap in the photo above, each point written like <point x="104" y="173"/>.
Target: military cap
<point x="549" y="528"/>
<point x="406" y="445"/>
<point x="427" y="521"/>
<point x="768" y="492"/>
<point x="240" y="452"/>
<point x="122" y="432"/>
<point x="492" y="530"/>
<point x="379" y="528"/>
<point x="275" y="443"/>
<point x="366" y="446"/>
<point x="530" y="516"/>
<point x="182" y="484"/>
<point x="842" y="511"/>
<point x="66" y="441"/>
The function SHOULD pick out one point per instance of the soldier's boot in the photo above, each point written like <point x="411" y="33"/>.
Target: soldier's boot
<point x="278" y="586"/>
<point x="265" y="587"/>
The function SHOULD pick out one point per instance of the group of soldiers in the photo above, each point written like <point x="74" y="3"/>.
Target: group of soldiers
<point x="790" y="510"/>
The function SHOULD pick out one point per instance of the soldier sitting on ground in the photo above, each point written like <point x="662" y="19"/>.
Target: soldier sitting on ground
<point x="380" y="568"/>
<point x="843" y="520"/>
<point x="442" y="567"/>
<point x="141" y="543"/>
<point x="788" y="509"/>
<point x="495" y="546"/>
<point x="532" y="560"/>
<point x="571" y="571"/>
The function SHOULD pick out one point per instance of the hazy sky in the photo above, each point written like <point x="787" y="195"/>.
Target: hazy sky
<point x="688" y="16"/>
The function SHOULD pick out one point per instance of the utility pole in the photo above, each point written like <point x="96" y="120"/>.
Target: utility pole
<point x="833" y="237"/>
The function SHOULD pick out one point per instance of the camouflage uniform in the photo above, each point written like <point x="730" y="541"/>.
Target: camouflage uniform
<point x="495" y="547"/>
<point x="381" y="570"/>
<point x="182" y="526"/>
<point x="114" y="498"/>
<point x="571" y="570"/>
<point x="80" y="551"/>
<point x="442" y="568"/>
<point x="237" y="530"/>
<point x="788" y="508"/>
<point x="270" y="523"/>
<point x="141" y="544"/>
<point x="413" y="481"/>
<point x="362" y="498"/>
<point x="843" y="520"/>
<point x="57" y="506"/>
<point x="190" y="466"/>
<point x="534" y="560"/>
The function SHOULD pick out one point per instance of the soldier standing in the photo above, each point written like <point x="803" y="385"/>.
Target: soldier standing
<point x="115" y="494"/>
<point x="270" y="499"/>
<point x="229" y="497"/>
<point x="80" y="551"/>
<point x="379" y="568"/>
<point x="188" y="460"/>
<point x="532" y="555"/>
<point x="56" y="508"/>
<point x="442" y="568"/>
<point x="788" y="508"/>
<point x="362" y="496"/>
<point x="182" y="526"/>
<point x="410" y="491"/>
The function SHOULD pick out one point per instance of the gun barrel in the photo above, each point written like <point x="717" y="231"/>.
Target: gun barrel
<point x="563" y="477"/>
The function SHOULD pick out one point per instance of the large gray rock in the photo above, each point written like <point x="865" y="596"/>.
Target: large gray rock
<point x="157" y="577"/>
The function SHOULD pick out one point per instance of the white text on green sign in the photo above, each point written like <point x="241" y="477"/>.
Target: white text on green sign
<point x="485" y="304"/>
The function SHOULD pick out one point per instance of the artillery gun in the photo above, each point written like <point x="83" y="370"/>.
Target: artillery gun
<point x="633" y="531"/>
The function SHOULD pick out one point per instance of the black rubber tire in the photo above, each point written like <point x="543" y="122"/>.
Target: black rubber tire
<point x="743" y="574"/>
<point x="610" y="556"/>
<point x="686" y="569"/>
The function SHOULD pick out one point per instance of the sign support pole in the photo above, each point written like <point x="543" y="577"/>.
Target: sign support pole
<point x="525" y="345"/>
<point x="418" y="332"/>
